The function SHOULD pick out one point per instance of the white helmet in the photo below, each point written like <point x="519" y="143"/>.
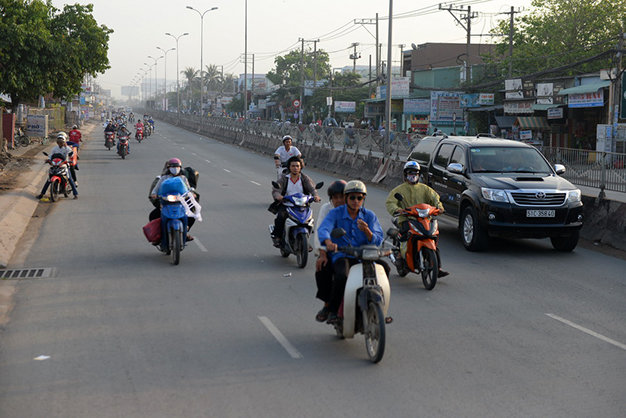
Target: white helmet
<point x="62" y="135"/>
<point x="355" y="186"/>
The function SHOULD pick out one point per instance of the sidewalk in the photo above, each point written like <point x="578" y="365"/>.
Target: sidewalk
<point x="609" y="194"/>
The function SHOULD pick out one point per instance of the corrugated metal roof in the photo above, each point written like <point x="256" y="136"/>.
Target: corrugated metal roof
<point x="585" y="88"/>
<point x="505" y="121"/>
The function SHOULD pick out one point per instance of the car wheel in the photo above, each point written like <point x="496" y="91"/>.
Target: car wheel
<point x="565" y="244"/>
<point x="473" y="235"/>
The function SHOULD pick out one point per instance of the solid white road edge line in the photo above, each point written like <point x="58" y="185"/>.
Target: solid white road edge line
<point x="208" y="161"/>
<point x="254" y="182"/>
<point x="199" y="244"/>
<point x="293" y="352"/>
<point x="228" y="171"/>
<point x="588" y="331"/>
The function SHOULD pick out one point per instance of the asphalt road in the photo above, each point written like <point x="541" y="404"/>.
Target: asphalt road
<point x="117" y="331"/>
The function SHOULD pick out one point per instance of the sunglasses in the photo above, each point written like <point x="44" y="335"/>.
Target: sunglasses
<point x="353" y="197"/>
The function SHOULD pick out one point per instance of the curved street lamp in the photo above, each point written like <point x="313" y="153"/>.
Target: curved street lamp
<point x="165" y="75"/>
<point x="176" y="38"/>
<point x="201" y="53"/>
<point x="156" y="84"/>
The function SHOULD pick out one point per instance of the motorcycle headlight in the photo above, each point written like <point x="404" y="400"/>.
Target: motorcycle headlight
<point x="423" y="212"/>
<point x="300" y="201"/>
<point x="172" y="198"/>
<point x="574" y="196"/>
<point x="494" y="195"/>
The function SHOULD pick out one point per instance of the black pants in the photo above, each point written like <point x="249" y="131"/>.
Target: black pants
<point x="279" y="222"/>
<point x="324" y="281"/>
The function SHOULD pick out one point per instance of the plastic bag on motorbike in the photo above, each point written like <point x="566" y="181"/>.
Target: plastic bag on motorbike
<point x="152" y="231"/>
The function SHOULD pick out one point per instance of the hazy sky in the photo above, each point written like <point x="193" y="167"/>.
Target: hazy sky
<point x="274" y="27"/>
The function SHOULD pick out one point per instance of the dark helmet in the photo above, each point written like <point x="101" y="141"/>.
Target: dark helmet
<point x="336" y="187"/>
<point x="174" y="162"/>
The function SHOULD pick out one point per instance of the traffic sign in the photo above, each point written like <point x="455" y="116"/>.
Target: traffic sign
<point x="296" y="103"/>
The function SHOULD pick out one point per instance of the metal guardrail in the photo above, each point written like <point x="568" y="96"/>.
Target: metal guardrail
<point x="591" y="168"/>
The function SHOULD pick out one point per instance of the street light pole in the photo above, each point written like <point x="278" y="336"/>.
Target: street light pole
<point x="245" y="65"/>
<point x="156" y="84"/>
<point x="388" y="81"/>
<point x="165" y="75"/>
<point x="201" y="54"/>
<point x="177" y="73"/>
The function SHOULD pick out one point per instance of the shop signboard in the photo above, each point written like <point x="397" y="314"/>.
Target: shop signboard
<point x="345" y="107"/>
<point x="526" y="134"/>
<point x="416" y="106"/>
<point x="37" y="125"/>
<point x="518" y="107"/>
<point x="262" y="104"/>
<point x="444" y="105"/>
<point x="513" y="89"/>
<point x="399" y="88"/>
<point x="594" y="99"/>
<point x="470" y="100"/>
<point x="555" y="113"/>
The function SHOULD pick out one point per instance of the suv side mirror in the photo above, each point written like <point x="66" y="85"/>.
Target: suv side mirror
<point x="455" y="168"/>
<point x="559" y="168"/>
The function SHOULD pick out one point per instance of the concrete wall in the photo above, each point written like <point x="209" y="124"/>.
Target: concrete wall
<point x="605" y="221"/>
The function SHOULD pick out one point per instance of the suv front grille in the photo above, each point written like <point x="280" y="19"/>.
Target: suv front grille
<point x="539" y="198"/>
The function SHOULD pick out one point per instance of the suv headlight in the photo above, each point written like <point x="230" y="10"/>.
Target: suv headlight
<point x="494" y="195"/>
<point x="573" y="196"/>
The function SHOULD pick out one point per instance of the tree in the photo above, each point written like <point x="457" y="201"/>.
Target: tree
<point x="191" y="75"/>
<point x="562" y="32"/>
<point x="212" y="78"/>
<point x="43" y="50"/>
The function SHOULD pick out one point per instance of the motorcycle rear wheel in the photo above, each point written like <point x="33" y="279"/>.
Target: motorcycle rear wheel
<point x="302" y="254"/>
<point x="54" y="190"/>
<point x="431" y="268"/>
<point x="175" y="239"/>
<point x="375" y="332"/>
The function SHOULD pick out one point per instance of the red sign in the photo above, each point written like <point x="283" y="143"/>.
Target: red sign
<point x="296" y="103"/>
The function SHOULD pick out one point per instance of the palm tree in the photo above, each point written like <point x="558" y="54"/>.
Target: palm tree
<point x="212" y="78"/>
<point x="191" y="75"/>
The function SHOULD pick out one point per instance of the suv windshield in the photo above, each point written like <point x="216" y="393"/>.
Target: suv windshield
<point x="507" y="160"/>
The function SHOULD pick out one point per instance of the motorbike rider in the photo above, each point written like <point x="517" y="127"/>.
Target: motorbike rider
<point x="362" y="227"/>
<point x="295" y="182"/>
<point x="62" y="149"/>
<point x="323" y="269"/>
<point x="110" y="127"/>
<point x="413" y="193"/>
<point x="76" y="137"/>
<point x="123" y="131"/>
<point x="138" y="127"/>
<point x="173" y="168"/>
<point x="285" y="152"/>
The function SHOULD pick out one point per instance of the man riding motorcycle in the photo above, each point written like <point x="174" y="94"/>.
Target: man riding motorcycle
<point x="62" y="149"/>
<point x="284" y="153"/>
<point x="138" y="128"/>
<point x="361" y="226"/>
<point x="295" y="182"/>
<point x="123" y="132"/>
<point x="413" y="193"/>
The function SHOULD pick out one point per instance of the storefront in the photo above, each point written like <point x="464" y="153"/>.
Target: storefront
<point x="531" y="129"/>
<point x="586" y="110"/>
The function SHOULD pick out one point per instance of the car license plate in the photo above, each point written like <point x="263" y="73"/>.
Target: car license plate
<point x="540" y="213"/>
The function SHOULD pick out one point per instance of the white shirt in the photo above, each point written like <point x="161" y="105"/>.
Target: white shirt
<point x="284" y="155"/>
<point x="293" y="188"/>
<point x="65" y="151"/>
<point x="326" y="207"/>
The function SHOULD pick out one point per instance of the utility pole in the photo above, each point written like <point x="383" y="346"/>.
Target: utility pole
<point x="401" y="46"/>
<point x="245" y="66"/>
<point x="252" y="89"/>
<point x="511" y="33"/>
<point x="300" y="111"/>
<point x="468" y="29"/>
<point x="354" y="56"/>
<point x="314" y="69"/>
<point x="388" y="81"/>
<point x="372" y="22"/>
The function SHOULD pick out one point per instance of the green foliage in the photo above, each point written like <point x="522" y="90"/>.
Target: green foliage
<point x="44" y="50"/>
<point x="561" y="32"/>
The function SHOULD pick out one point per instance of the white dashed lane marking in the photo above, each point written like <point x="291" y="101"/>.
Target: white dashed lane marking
<point x="254" y="182"/>
<point x="588" y="331"/>
<point x="293" y="352"/>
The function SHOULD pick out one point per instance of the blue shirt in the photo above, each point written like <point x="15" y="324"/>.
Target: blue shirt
<point x="340" y="218"/>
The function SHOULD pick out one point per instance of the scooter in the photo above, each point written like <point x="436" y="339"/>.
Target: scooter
<point x="177" y="204"/>
<point x="58" y="176"/>
<point x="298" y="225"/>
<point x="421" y="241"/>
<point x="365" y="299"/>
<point x="122" y="149"/>
<point x="139" y="135"/>
<point x="109" y="140"/>
<point x="281" y="171"/>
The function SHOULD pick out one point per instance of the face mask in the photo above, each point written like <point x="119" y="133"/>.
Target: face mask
<point x="412" y="178"/>
<point x="174" y="170"/>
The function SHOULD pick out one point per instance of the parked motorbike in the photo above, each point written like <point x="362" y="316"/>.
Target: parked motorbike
<point x="109" y="140"/>
<point x="122" y="149"/>
<point x="177" y="204"/>
<point x="298" y="225"/>
<point x="58" y="175"/>
<point x="421" y="242"/>
<point x="365" y="299"/>
<point x="139" y="135"/>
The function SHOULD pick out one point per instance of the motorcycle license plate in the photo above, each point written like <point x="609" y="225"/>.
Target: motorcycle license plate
<point x="534" y="213"/>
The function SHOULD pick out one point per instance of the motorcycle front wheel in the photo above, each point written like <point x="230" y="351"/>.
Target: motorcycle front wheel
<point x="54" y="190"/>
<point x="175" y="239"/>
<point x="302" y="254"/>
<point x="375" y="332"/>
<point x="430" y="270"/>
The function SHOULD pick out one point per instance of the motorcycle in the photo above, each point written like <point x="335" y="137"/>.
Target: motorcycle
<point x="148" y="130"/>
<point x="366" y="298"/>
<point x="122" y="149"/>
<point x="109" y="140"/>
<point x="139" y="135"/>
<point x="281" y="171"/>
<point x="58" y="174"/>
<point x="177" y="204"/>
<point x="421" y="251"/>
<point x="298" y="225"/>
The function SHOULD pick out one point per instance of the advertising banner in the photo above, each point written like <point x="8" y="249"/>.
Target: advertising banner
<point x="399" y="88"/>
<point x="37" y="125"/>
<point x="486" y="99"/>
<point x="555" y="113"/>
<point x="470" y="100"/>
<point x="513" y="89"/>
<point x="595" y="99"/>
<point x="416" y="106"/>
<point x="525" y="134"/>
<point x="518" y="107"/>
<point x="444" y="106"/>
<point x="345" y="107"/>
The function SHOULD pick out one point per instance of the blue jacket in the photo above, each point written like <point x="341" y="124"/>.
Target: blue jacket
<point x="339" y="218"/>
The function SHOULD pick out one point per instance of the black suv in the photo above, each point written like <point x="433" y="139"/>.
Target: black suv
<point x="500" y="187"/>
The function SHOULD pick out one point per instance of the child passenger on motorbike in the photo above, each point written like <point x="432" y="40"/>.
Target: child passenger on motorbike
<point x="361" y="226"/>
<point x="323" y="269"/>
<point x="413" y="193"/>
<point x="295" y="182"/>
